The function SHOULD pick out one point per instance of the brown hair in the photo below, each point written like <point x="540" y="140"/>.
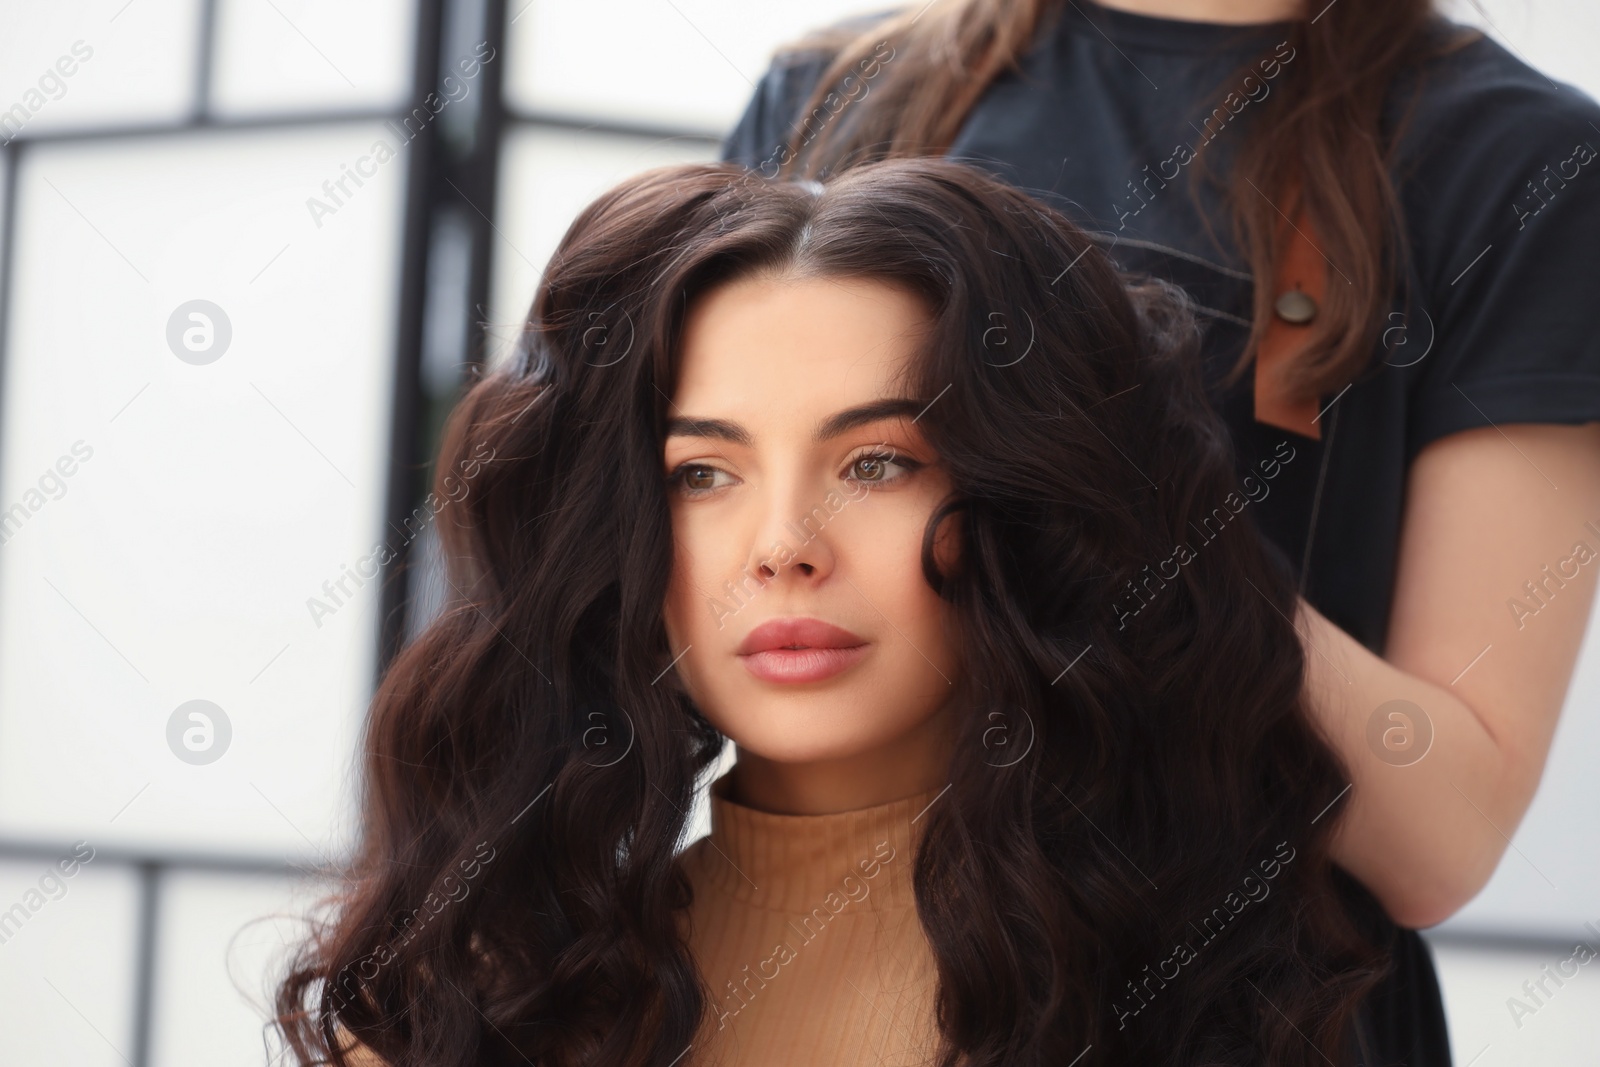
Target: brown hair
<point x="1316" y="142"/>
<point x="516" y="897"/>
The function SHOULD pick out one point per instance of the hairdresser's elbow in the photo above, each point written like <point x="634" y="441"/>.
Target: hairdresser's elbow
<point x="1463" y="855"/>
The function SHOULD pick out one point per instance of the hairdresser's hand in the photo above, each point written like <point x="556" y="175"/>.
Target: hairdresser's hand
<point x="1487" y="512"/>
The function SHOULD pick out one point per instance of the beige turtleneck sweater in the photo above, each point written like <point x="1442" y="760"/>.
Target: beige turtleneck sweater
<point x="806" y="929"/>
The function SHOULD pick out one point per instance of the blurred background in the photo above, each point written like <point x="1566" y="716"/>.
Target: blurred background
<point x="244" y="258"/>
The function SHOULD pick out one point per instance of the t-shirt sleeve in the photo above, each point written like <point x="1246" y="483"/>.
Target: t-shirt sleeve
<point x="770" y="115"/>
<point x="1512" y="242"/>
<point x="741" y="145"/>
<point x="773" y="111"/>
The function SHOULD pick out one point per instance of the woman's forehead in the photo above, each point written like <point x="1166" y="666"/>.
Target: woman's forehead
<point x="805" y="345"/>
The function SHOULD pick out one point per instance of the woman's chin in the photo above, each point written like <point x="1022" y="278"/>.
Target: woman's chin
<point x="799" y="746"/>
<point x="822" y="730"/>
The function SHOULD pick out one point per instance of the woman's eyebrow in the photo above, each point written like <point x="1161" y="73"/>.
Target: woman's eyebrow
<point x="832" y="426"/>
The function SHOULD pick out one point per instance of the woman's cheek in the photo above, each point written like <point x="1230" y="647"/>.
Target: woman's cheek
<point x="677" y="613"/>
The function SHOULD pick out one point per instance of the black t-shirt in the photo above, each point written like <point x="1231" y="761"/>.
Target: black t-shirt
<point x="1497" y="176"/>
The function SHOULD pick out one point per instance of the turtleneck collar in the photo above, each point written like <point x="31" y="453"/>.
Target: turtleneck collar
<point x="796" y="863"/>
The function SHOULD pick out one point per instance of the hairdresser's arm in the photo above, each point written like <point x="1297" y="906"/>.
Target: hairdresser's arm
<point x="1486" y="510"/>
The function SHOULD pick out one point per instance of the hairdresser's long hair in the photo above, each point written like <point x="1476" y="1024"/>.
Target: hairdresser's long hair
<point x="531" y="764"/>
<point x="1318" y="138"/>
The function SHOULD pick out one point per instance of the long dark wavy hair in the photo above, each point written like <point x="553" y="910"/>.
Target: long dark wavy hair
<point x="1322" y="138"/>
<point x="531" y="763"/>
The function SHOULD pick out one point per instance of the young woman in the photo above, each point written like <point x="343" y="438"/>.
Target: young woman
<point x="872" y="478"/>
<point x="1387" y="223"/>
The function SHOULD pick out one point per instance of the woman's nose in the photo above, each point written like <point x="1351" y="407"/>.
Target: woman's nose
<point x="793" y="531"/>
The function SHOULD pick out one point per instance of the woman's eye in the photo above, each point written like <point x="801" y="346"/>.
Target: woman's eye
<point x="874" y="467"/>
<point x="695" y="478"/>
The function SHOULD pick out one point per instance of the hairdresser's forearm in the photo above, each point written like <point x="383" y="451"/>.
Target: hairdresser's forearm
<point x="1423" y="836"/>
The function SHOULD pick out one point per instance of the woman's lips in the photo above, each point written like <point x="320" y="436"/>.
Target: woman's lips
<point x="795" y="665"/>
<point x="799" y="649"/>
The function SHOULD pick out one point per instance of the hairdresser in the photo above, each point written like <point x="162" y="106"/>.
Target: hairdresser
<point x="1387" y="224"/>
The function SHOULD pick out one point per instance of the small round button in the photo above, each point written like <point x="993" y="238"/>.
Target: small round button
<point x="1295" y="306"/>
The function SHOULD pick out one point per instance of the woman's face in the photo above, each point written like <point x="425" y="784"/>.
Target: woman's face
<point x="799" y="487"/>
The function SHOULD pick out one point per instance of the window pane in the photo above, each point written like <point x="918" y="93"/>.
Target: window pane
<point x="96" y="62"/>
<point x="1558" y="1027"/>
<point x="1556" y="36"/>
<point x="312" y="55"/>
<point x="690" y="63"/>
<point x="66" y="961"/>
<point x="178" y="530"/>
<point x="547" y="176"/>
<point x="222" y="942"/>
